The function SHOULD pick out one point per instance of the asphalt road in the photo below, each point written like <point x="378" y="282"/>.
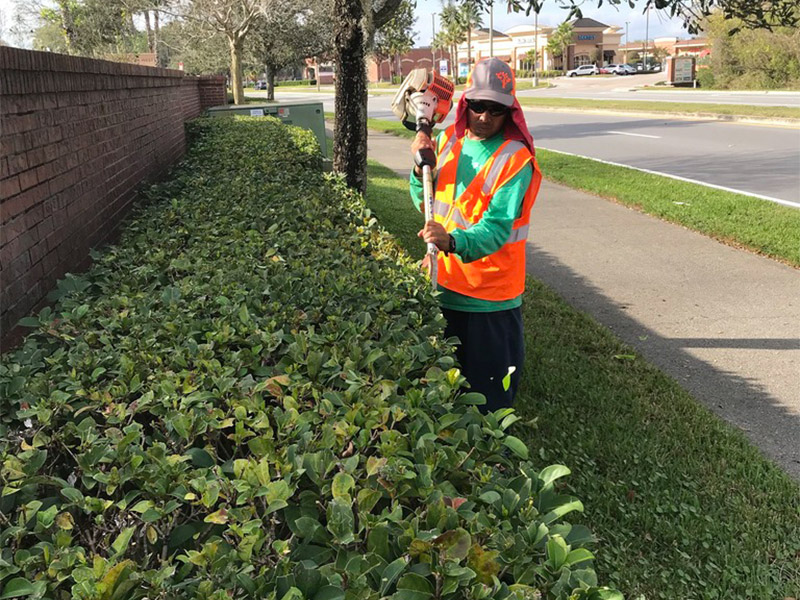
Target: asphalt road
<point x="754" y="159"/>
<point x="629" y="88"/>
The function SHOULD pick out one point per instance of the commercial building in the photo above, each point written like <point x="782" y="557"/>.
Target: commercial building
<point x="593" y="42"/>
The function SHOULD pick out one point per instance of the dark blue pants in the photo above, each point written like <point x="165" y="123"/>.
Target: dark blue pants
<point x="490" y="344"/>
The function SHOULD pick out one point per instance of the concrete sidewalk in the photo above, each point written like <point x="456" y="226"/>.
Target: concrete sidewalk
<point x="724" y="323"/>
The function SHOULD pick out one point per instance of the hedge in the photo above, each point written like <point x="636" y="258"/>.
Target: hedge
<point x="250" y="397"/>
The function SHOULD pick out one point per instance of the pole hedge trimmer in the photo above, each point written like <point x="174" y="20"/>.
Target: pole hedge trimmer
<point x="425" y="99"/>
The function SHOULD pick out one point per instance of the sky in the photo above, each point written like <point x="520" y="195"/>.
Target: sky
<point x="660" y="24"/>
<point x="551" y="15"/>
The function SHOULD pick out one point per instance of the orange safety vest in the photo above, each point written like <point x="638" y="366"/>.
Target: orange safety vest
<point x="501" y="275"/>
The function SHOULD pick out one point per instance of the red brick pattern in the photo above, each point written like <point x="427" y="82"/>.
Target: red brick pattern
<point x="77" y="136"/>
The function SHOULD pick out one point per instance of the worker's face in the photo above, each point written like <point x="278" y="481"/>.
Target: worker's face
<point x="485" y="119"/>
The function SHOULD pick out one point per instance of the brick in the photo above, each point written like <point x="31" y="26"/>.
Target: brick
<point x="21" y="202"/>
<point x="11" y="229"/>
<point x="27" y="179"/>
<point x="9" y="187"/>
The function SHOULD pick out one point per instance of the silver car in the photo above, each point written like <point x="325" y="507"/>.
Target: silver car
<point x="584" y="70"/>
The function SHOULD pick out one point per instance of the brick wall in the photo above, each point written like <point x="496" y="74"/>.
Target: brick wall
<point x="77" y="136"/>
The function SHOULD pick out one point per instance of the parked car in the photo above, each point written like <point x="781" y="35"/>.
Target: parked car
<point x="584" y="70"/>
<point x="261" y="85"/>
<point x="621" y="69"/>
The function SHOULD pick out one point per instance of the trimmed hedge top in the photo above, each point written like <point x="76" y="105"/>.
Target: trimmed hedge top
<point x="250" y="397"/>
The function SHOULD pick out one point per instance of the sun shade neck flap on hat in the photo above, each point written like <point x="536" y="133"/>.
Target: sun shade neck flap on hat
<point x="515" y="129"/>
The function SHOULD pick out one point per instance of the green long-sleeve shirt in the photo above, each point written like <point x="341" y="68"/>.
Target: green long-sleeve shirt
<point x="488" y="235"/>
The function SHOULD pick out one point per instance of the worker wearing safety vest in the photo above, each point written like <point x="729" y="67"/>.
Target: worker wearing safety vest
<point x="486" y="181"/>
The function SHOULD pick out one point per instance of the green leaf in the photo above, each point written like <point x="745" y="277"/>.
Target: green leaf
<point x="391" y="573"/>
<point x="123" y="539"/>
<point x="413" y="587"/>
<point x="562" y="510"/>
<point x="72" y="494"/>
<point x="200" y="458"/>
<point x="342" y="484"/>
<point x="341" y="521"/>
<point x="556" y="550"/>
<point x="170" y="295"/>
<point x="549" y="474"/>
<point x="490" y="497"/>
<point x="26" y="322"/>
<point x="17" y="587"/>
<point x="507" y="378"/>
<point x="516" y="446"/>
<point x="578" y="555"/>
<point x="329" y="592"/>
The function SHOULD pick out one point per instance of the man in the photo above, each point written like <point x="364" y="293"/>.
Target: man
<point x="487" y="179"/>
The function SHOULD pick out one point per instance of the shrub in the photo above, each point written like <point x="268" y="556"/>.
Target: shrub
<point x="296" y="82"/>
<point x="705" y="78"/>
<point x="250" y="397"/>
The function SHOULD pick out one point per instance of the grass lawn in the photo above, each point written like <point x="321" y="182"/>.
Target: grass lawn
<point x="683" y="506"/>
<point x="759" y="225"/>
<point x="764" y="112"/>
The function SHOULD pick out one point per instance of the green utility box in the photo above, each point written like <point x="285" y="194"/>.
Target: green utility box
<point x="309" y="115"/>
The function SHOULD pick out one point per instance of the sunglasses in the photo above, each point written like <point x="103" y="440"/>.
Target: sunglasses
<point x="479" y="107"/>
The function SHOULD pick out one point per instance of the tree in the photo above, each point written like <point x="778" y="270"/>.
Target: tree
<point x="191" y="43"/>
<point x="234" y="19"/>
<point x="559" y="42"/>
<point x="755" y="59"/>
<point x="763" y="14"/>
<point x="354" y="26"/>
<point x="396" y="36"/>
<point x="470" y="15"/>
<point x="452" y="32"/>
<point x="290" y="32"/>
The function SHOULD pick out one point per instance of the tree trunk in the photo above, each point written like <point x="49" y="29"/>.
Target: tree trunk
<point x="270" y="70"/>
<point x="469" y="47"/>
<point x="350" y="135"/>
<point x="156" y="36"/>
<point x="316" y="72"/>
<point x="67" y="25"/>
<point x="236" y="71"/>
<point x="150" y="43"/>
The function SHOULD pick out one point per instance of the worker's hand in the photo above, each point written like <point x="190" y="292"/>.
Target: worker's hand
<point x="422" y="140"/>
<point x="433" y="232"/>
<point x="425" y="267"/>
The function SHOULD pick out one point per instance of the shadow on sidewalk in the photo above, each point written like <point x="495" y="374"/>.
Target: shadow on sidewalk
<point x="737" y="400"/>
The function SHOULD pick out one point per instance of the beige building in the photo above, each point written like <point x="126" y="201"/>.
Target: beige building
<point x="593" y="43"/>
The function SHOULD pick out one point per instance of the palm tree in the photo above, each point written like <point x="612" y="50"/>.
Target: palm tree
<point x="559" y="41"/>
<point x="470" y="16"/>
<point x="452" y="32"/>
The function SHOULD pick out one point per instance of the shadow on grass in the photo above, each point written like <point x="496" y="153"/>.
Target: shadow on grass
<point x="684" y="506"/>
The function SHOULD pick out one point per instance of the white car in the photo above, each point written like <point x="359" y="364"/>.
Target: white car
<point x="621" y="69"/>
<point x="584" y="70"/>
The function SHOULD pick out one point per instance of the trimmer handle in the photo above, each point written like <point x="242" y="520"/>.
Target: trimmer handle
<point x="425" y="158"/>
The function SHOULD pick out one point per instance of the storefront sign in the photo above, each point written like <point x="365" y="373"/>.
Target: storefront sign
<point x="683" y="69"/>
<point x="586" y="36"/>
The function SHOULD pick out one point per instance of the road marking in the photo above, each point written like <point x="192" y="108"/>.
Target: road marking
<point x="679" y="178"/>
<point x="655" y="137"/>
